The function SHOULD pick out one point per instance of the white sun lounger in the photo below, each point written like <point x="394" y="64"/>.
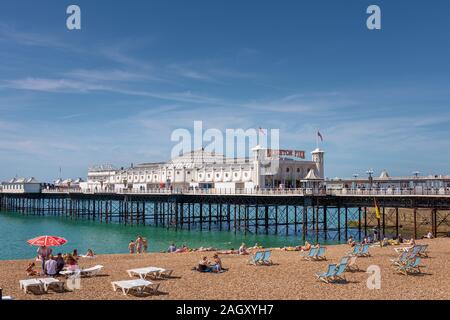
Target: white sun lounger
<point x="42" y="283"/>
<point x="138" y="285"/>
<point x="89" y="272"/>
<point x="150" y="271"/>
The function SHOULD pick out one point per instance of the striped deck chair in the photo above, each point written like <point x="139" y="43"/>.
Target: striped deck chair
<point x="328" y="275"/>
<point x="311" y="254"/>
<point x="256" y="258"/>
<point x="364" y="251"/>
<point x="266" y="258"/>
<point x="356" y="250"/>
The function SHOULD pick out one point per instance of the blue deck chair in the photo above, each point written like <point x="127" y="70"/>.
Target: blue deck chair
<point x="401" y="260"/>
<point x="266" y="258"/>
<point x="356" y="250"/>
<point x="327" y="276"/>
<point x="411" y="266"/>
<point x="414" y="251"/>
<point x="321" y="254"/>
<point x="415" y="265"/>
<point x="257" y="257"/>
<point x="340" y="270"/>
<point x="344" y="260"/>
<point x="364" y="251"/>
<point x="423" y="251"/>
<point x="311" y="254"/>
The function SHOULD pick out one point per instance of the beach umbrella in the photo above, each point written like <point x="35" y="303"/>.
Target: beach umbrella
<point x="48" y="241"/>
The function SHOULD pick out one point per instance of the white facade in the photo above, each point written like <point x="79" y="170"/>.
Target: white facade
<point x="202" y="169"/>
<point x="21" y="185"/>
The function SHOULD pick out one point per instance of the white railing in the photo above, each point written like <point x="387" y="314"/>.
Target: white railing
<point x="391" y="192"/>
<point x="264" y="192"/>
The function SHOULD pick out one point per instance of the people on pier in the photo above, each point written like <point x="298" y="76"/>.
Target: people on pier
<point x="132" y="247"/>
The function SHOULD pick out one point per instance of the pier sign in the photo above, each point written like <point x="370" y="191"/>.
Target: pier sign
<point x="286" y="153"/>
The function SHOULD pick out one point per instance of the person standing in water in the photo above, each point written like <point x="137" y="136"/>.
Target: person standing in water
<point x="139" y="244"/>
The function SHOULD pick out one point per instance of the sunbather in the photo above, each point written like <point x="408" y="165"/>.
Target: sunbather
<point x="90" y="253"/>
<point x="231" y="251"/>
<point x="30" y="270"/>
<point x="172" y="248"/>
<point x="243" y="249"/>
<point x="306" y="247"/>
<point x="351" y="241"/>
<point x="184" y="248"/>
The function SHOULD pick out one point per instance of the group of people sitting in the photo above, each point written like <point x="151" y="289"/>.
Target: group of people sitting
<point x="205" y="265"/>
<point x="385" y="242"/>
<point x="53" y="265"/>
<point x="243" y="249"/>
<point x="140" y="245"/>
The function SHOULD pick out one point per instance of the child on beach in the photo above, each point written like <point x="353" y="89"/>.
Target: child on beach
<point x="131" y="247"/>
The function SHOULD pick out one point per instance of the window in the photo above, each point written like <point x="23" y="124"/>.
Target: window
<point x="287" y="169"/>
<point x="298" y="170"/>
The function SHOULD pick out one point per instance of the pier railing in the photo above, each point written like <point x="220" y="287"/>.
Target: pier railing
<point x="267" y="192"/>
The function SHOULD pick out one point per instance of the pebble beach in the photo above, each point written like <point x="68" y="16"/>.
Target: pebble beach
<point x="290" y="277"/>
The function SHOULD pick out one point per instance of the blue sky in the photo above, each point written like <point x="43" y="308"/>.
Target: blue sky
<point x="114" y="91"/>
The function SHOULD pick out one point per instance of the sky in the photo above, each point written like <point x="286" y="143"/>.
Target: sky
<point x="114" y="91"/>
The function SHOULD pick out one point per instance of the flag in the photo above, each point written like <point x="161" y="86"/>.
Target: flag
<point x="262" y="131"/>
<point x="377" y="209"/>
<point x="320" y="136"/>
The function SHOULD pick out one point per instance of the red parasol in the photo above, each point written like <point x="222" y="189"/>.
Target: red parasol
<point x="48" y="241"/>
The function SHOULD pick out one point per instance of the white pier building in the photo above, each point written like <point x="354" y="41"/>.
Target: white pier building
<point x="202" y="169"/>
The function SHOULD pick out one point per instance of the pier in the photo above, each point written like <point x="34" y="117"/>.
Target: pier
<point x="309" y="214"/>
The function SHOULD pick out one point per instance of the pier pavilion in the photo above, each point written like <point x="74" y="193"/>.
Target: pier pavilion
<point x="208" y="170"/>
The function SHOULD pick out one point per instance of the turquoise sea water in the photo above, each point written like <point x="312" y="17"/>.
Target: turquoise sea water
<point x="16" y="229"/>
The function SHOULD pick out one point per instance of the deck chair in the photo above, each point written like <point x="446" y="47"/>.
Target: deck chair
<point x="401" y="260"/>
<point x="340" y="270"/>
<point x="311" y="254"/>
<point x="328" y="275"/>
<point x="344" y="259"/>
<point x="321" y="254"/>
<point x="364" y="251"/>
<point x="138" y="285"/>
<point x="266" y="258"/>
<point x="154" y="272"/>
<point x="352" y="266"/>
<point x="356" y="250"/>
<point x="256" y="258"/>
<point x="52" y="282"/>
<point x="411" y="266"/>
<point x="423" y="251"/>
